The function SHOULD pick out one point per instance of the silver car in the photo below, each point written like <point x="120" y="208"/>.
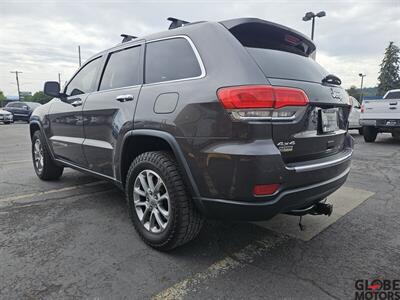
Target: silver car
<point x="6" y="117"/>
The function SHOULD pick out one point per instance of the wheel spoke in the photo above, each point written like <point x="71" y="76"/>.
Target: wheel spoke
<point x="152" y="219"/>
<point x="140" y="192"/>
<point x="158" y="185"/>
<point x="150" y="181"/>
<point x="164" y="212"/>
<point x="140" y="203"/>
<point x="163" y="197"/>
<point x="143" y="182"/>
<point x="145" y="215"/>
<point x="160" y="223"/>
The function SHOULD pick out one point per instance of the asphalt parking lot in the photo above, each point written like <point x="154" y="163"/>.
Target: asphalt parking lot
<point x="73" y="239"/>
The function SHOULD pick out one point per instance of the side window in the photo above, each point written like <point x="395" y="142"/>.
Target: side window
<point x="84" y="81"/>
<point x="170" y="59"/>
<point x="122" y="69"/>
<point x="10" y="105"/>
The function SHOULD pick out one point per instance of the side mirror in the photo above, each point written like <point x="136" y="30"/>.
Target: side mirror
<point x="52" y="88"/>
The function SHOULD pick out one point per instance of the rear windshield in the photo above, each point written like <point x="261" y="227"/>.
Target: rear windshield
<point x="281" y="64"/>
<point x="393" y="95"/>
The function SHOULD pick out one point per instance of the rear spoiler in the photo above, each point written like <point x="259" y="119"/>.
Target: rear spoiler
<point x="254" y="32"/>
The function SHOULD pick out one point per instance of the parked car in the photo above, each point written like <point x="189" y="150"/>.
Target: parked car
<point x="230" y="120"/>
<point x="381" y="116"/>
<point x="21" y="110"/>
<point x="6" y="117"/>
<point x="354" y="117"/>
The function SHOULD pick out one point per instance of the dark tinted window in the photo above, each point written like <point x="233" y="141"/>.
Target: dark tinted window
<point x="281" y="64"/>
<point x="16" y="104"/>
<point x="85" y="80"/>
<point x="170" y="60"/>
<point x="122" y="69"/>
<point x="393" y="95"/>
<point x="32" y="105"/>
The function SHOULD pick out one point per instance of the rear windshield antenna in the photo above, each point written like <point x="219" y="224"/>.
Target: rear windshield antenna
<point x="176" y="23"/>
<point x="127" y="37"/>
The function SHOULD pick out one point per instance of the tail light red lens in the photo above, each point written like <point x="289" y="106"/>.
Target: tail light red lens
<point x="362" y="108"/>
<point x="261" y="96"/>
<point x="265" y="189"/>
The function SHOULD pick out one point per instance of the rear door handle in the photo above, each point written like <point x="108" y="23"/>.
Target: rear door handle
<point x="76" y="102"/>
<point x="124" y="98"/>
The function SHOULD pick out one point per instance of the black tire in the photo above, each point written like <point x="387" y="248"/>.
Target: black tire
<point x="49" y="170"/>
<point x="370" y="134"/>
<point x="360" y="131"/>
<point x="7" y="123"/>
<point x="184" y="222"/>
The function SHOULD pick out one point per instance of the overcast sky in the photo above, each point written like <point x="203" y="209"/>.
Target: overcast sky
<point x="40" y="38"/>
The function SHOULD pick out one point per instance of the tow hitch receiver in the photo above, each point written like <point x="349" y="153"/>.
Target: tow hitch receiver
<point x="319" y="208"/>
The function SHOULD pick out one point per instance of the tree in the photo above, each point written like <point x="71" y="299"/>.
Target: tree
<point x="354" y="92"/>
<point x="2" y="98"/>
<point x="389" y="77"/>
<point x="40" y="97"/>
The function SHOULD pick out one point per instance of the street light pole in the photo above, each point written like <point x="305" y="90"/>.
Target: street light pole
<point x="79" y="55"/>
<point x="16" y="77"/>
<point x="362" y="81"/>
<point x="312" y="28"/>
<point x="311" y="16"/>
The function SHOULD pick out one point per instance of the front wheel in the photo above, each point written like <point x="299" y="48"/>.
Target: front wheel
<point x="159" y="205"/>
<point x="370" y="134"/>
<point x="43" y="164"/>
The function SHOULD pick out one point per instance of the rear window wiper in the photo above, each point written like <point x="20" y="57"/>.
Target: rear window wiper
<point x="332" y="79"/>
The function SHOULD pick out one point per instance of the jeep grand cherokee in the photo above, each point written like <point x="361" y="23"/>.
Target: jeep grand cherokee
<point x="231" y="119"/>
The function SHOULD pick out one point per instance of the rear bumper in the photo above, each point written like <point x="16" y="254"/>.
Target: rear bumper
<point x="267" y="207"/>
<point x="226" y="172"/>
<point x="382" y="124"/>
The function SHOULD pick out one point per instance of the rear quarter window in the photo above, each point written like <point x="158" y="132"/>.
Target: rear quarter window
<point x="170" y="59"/>
<point x="393" y="95"/>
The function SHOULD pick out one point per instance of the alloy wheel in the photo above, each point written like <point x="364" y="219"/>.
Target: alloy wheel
<point x="151" y="201"/>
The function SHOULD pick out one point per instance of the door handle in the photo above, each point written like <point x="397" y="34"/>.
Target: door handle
<point x="76" y="102"/>
<point x="124" y="98"/>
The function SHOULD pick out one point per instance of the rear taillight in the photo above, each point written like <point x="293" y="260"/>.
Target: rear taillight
<point x="261" y="101"/>
<point x="362" y="108"/>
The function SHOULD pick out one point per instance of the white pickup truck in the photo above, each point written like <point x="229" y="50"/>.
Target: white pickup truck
<point x="381" y="116"/>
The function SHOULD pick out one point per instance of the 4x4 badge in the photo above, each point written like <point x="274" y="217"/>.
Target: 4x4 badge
<point x="286" y="146"/>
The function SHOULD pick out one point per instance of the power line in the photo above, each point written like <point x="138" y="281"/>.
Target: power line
<point x="16" y="77"/>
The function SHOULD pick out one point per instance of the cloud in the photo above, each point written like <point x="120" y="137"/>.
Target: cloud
<point x="41" y="38"/>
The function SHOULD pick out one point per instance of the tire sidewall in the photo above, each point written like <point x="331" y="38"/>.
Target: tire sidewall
<point x="153" y="238"/>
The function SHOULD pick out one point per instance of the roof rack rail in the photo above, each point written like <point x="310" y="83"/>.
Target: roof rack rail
<point x="176" y="23"/>
<point x="127" y="37"/>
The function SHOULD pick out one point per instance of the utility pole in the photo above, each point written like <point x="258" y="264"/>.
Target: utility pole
<point x="362" y="81"/>
<point x="16" y="77"/>
<point x="59" y="79"/>
<point x="79" y="54"/>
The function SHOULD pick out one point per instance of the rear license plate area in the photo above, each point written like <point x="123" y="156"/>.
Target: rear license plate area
<point x="328" y="120"/>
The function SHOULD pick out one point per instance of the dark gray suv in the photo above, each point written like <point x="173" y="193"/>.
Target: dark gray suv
<point x="230" y="119"/>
